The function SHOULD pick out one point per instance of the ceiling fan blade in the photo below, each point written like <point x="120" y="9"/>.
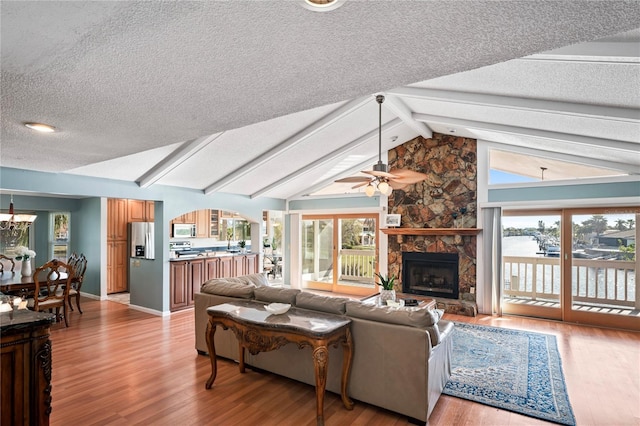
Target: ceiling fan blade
<point x="397" y="185"/>
<point x="379" y="174"/>
<point x="360" y="184"/>
<point x="407" y="177"/>
<point x="353" y="179"/>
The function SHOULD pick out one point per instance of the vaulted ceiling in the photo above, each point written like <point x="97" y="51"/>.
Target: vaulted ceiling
<point x="274" y="99"/>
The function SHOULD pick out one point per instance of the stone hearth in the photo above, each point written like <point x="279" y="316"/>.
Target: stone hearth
<point x="444" y="202"/>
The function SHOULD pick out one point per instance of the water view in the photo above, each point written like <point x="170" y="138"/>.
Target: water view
<point x="602" y="260"/>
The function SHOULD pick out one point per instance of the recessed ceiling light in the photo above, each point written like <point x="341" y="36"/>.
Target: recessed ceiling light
<point x="321" y="5"/>
<point x="41" y="127"/>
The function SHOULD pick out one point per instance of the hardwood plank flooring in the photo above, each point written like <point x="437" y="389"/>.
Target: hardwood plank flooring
<point x="118" y="366"/>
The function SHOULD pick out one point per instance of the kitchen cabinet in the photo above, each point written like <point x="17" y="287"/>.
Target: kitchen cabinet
<point x="214" y="223"/>
<point x="185" y="218"/>
<point x="25" y="356"/>
<point x="226" y="266"/>
<point x="203" y="223"/>
<point x="179" y="285"/>
<point x="140" y="211"/>
<point x="117" y="212"/>
<point x="117" y="263"/>
<point x="150" y="211"/>
<point x="186" y="277"/>
<point x="245" y="264"/>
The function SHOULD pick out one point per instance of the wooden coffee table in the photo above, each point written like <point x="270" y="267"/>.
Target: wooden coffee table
<point x="259" y="331"/>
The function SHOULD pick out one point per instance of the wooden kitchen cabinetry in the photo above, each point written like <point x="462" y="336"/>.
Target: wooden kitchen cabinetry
<point x="140" y="211"/>
<point x="26" y="367"/>
<point x="117" y="262"/>
<point x="120" y="212"/>
<point x="214" y="223"/>
<point x="203" y="223"/>
<point x="117" y="216"/>
<point x="185" y="218"/>
<point x="186" y="277"/>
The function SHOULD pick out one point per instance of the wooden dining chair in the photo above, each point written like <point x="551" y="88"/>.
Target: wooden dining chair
<point x="79" y="266"/>
<point x="52" y="283"/>
<point x="5" y="259"/>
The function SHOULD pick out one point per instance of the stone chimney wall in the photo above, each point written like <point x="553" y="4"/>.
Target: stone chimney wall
<point x="450" y="190"/>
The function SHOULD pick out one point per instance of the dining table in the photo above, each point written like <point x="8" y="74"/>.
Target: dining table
<point x="17" y="284"/>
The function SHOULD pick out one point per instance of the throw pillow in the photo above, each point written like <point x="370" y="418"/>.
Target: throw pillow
<point x="225" y="287"/>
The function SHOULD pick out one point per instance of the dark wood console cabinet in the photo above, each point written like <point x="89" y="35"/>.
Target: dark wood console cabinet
<point x="26" y="367"/>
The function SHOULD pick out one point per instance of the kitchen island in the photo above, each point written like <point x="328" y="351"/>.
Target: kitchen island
<point x="188" y="274"/>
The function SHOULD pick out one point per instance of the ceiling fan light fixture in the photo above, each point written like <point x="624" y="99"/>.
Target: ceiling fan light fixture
<point x="383" y="187"/>
<point x="370" y="190"/>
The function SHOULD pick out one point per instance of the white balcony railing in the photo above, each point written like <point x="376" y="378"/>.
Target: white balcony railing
<point x="597" y="282"/>
<point x="357" y="265"/>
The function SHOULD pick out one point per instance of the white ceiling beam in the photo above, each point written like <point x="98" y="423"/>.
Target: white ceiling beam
<point x="181" y="154"/>
<point x="524" y="104"/>
<point x="330" y="180"/>
<point x="402" y="111"/>
<point x="578" y="140"/>
<point x="329" y="119"/>
<point x="329" y="157"/>
<point x="569" y="158"/>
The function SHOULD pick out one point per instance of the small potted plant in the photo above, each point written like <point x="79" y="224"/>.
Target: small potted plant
<point x="387" y="292"/>
<point x="242" y="245"/>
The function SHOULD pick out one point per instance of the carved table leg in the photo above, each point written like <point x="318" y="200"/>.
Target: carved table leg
<point x="320" y="362"/>
<point x="241" y="357"/>
<point x="211" y="331"/>
<point x="347" y="348"/>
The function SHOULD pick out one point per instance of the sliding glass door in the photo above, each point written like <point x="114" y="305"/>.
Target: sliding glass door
<point x="576" y="265"/>
<point x="531" y="249"/>
<point x="602" y="267"/>
<point x="339" y="253"/>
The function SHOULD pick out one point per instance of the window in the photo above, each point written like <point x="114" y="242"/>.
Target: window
<point x="59" y="236"/>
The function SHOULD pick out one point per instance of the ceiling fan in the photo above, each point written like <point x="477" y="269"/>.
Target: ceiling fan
<point x="385" y="181"/>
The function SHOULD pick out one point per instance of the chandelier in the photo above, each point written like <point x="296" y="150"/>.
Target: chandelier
<point x="15" y="224"/>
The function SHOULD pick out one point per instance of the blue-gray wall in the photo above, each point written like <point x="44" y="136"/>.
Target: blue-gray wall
<point x="149" y="283"/>
<point x="566" y="192"/>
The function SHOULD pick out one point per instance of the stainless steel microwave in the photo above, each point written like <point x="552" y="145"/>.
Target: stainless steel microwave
<point x="184" y="230"/>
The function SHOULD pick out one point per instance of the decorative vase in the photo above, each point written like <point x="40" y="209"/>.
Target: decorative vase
<point x="26" y="268"/>
<point x="387" y="295"/>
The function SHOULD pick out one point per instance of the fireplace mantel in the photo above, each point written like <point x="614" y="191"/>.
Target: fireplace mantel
<point x="431" y="231"/>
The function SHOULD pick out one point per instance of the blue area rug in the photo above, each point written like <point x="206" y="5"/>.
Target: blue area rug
<point x="514" y="370"/>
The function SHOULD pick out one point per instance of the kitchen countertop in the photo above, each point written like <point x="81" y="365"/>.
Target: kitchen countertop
<point x="209" y="255"/>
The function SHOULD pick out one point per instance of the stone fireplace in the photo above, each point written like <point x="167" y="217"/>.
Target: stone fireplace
<point x="430" y="274"/>
<point x="438" y="216"/>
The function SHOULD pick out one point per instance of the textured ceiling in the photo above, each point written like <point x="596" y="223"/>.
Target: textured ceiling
<point x="284" y="94"/>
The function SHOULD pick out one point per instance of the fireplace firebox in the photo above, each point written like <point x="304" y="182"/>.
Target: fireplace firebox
<point x="430" y="274"/>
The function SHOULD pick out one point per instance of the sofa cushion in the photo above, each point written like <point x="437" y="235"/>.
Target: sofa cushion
<point x="423" y="318"/>
<point x="227" y="287"/>
<point x="332" y="305"/>
<point x="275" y="294"/>
<point x="257" y="279"/>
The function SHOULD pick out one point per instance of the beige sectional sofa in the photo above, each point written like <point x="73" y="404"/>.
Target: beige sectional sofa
<point x="402" y="356"/>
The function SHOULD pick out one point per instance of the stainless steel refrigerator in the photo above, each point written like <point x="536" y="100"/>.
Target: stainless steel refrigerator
<point x="141" y="240"/>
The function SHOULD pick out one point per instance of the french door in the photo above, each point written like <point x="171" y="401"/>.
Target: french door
<point x="339" y="253"/>
<point x="576" y="265"/>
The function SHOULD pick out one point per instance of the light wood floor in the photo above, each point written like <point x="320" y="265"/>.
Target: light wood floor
<point x="118" y="366"/>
